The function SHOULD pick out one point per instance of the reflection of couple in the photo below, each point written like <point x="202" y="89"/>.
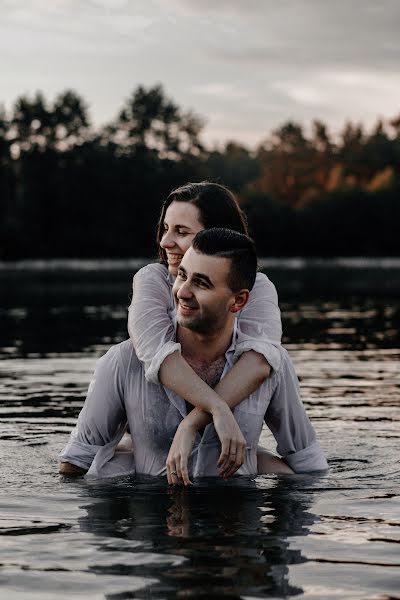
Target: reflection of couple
<point x="177" y="361"/>
<point x="229" y="552"/>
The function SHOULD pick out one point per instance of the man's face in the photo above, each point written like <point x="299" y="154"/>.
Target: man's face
<point x="202" y="295"/>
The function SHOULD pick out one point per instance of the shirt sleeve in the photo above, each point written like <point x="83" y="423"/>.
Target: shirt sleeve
<point x="102" y="420"/>
<point x="287" y="419"/>
<point x="150" y="324"/>
<point x="259" y="323"/>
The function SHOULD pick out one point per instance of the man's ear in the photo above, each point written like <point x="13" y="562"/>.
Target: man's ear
<point x="240" y="300"/>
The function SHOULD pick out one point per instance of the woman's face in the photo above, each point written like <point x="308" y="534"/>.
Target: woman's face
<point x="181" y="223"/>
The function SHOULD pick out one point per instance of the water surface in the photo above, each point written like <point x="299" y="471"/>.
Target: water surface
<point x="336" y="536"/>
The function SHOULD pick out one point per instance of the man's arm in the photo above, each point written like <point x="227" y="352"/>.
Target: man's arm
<point x="288" y="421"/>
<point x="102" y="416"/>
<point x="70" y="470"/>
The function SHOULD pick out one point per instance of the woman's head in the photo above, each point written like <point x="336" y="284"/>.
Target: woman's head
<point x="189" y="209"/>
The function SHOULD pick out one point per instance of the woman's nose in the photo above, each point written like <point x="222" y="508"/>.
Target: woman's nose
<point x="167" y="240"/>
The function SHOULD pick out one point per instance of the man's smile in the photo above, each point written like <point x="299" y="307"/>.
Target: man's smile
<point x="186" y="309"/>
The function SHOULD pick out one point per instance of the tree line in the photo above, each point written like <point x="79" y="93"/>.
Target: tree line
<point x="68" y="189"/>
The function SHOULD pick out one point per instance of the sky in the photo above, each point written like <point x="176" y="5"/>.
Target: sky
<point x="245" y="66"/>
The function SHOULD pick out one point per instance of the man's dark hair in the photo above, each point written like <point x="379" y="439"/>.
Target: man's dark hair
<point x="239" y="248"/>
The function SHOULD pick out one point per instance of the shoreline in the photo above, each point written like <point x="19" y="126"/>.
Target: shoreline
<point x="113" y="277"/>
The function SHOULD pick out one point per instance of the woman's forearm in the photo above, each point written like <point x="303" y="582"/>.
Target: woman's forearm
<point x="243" y="379"/>
<point x="177" y="375"/>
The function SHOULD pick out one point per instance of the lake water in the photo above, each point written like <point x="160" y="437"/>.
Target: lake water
<point x="336" y="536"/>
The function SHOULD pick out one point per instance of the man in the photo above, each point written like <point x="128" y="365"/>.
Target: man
<point x="213" y="284"/>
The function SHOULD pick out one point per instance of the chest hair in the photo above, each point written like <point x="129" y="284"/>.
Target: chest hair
<point x="211" y="374"/>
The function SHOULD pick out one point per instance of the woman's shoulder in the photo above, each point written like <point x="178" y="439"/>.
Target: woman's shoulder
<point x="263" y="281"/>
<point x="155" y="271"/>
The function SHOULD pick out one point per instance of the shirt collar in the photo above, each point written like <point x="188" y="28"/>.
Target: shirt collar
<point x="230" y="351"/>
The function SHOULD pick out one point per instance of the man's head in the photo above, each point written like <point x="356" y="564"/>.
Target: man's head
<point x="214" y="279"/>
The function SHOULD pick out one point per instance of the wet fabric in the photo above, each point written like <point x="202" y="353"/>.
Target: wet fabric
<point x="120" y="395"/>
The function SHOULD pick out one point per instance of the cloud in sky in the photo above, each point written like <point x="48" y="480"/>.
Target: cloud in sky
<point x="246" y="65"/>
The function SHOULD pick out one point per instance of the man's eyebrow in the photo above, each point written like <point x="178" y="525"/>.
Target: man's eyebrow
<point x="204" y="278"/>
<point x="201" y="276"/>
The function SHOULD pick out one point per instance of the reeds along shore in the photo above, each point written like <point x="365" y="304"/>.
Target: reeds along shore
<point x="70" y="190"/>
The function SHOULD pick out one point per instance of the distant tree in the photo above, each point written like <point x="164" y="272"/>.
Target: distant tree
<point x="68" y="190"/>
<point x="234" y="166"/>
<point x="151" y="122"/>
<point x="321" y="140"/>
<point x="36" y="125"/>
<point x="70" y="121"/>
<point x="289" y="138"/>
<point x="30" y="124"/>
<point x="395" y="124"/>
<point x="379" y="151"/>
<point x="287" y="165"/>
<point x="8" y="221"/>
<point x="4" y="137"/>
<point x="351" y="222"/>
<point x="270" y="224"/>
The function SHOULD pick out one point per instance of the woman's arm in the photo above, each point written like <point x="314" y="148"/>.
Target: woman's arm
<point x="259" y="323"/>
<point x="149" y="319"/>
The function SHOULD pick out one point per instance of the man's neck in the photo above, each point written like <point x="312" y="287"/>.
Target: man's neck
<point x="205" y="348"/>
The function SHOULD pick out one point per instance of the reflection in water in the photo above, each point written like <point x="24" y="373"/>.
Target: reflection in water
<point x="234" y="537"/>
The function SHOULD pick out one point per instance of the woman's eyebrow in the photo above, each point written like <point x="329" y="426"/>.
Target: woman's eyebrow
<point x="182" y="226"/>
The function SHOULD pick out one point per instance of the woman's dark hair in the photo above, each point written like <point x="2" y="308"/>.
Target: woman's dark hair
<point x="216" y="204"/>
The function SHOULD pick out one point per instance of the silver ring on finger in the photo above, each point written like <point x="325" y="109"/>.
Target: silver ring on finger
<point x="174" y="473"/>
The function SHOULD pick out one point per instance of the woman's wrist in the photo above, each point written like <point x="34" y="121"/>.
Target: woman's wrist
<point x="196" y="419"/>
<point x="219" y="407"/>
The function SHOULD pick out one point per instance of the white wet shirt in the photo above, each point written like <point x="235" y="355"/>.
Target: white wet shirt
<point x="151" y="326"/>
<point x="120" y="394"/>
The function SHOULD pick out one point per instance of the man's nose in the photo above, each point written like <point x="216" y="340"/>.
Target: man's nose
<point x="185" y="290"/>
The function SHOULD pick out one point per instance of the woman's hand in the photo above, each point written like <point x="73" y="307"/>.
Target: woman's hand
<point x="233" y="443"/>
<point x="178" y="456"/>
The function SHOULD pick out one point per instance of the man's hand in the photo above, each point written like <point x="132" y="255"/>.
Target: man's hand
<point x="178" y="456"/>
<point x="66" y="468"/>
<point x="233" y="443"/>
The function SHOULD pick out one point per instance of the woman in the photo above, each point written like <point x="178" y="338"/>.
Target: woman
<point x="186" y="211"/>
